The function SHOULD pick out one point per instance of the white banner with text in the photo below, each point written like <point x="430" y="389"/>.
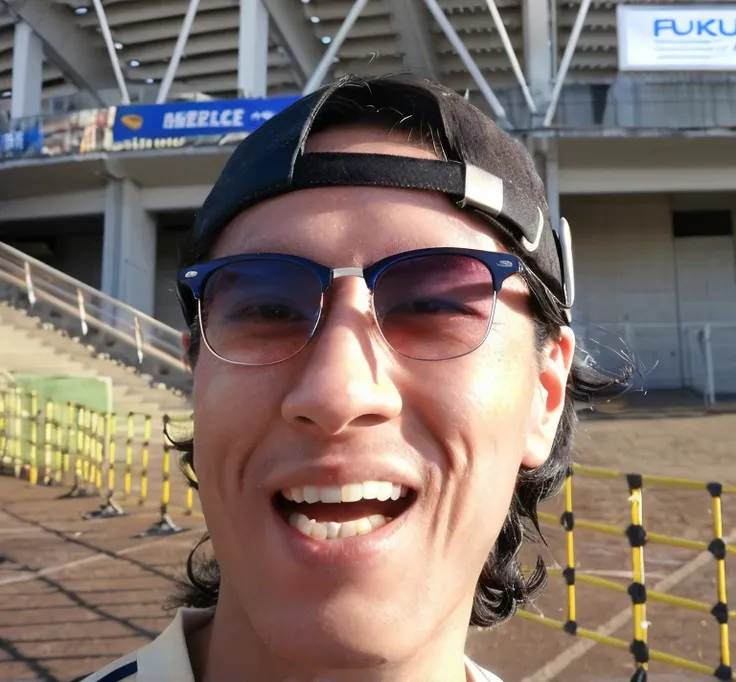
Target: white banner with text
<point x="676" y="38"/>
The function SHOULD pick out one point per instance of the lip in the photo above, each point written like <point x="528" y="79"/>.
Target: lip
<point x="327" y="473"/>
<point x="359" y="551"/>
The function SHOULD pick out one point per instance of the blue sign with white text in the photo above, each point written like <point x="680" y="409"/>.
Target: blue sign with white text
<point x="195" y="119"/>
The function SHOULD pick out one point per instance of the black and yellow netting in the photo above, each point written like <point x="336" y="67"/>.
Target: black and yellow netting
<point x="638" y="538"/>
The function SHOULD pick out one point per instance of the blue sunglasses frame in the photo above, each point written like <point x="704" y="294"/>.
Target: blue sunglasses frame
<point x="191" y="281"/>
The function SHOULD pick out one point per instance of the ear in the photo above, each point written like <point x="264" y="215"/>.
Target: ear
<point x="548" y="401"/>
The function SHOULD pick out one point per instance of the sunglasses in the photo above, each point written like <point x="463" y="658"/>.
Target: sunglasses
<point x="429" y="304"/>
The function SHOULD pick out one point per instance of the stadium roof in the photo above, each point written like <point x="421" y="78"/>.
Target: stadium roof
<point x="389" y="36"/>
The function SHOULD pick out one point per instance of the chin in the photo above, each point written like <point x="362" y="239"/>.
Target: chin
<point x="345" y="631"/>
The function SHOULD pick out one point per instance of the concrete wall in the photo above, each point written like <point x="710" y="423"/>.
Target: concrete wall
<point x="624" y="256"/>
<point x="167" y="308"/>
<point x="636" y="283"/>
<point x="129" y="253"/>
<point x="72" y="246"/>
<point x="80" y="256"/>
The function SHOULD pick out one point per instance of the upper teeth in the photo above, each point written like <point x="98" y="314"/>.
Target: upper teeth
<point x="352" y="492"/>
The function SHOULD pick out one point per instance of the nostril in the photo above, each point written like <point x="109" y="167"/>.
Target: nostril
<point x="362" y="420"/>
<point x="368" y="420"/>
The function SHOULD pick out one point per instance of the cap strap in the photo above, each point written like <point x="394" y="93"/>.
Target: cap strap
<point x="327" y="169"/>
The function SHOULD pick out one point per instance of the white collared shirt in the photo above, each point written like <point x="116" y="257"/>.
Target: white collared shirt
<point x="166" y="658"/>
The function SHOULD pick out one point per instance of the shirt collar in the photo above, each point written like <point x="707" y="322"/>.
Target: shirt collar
<point x="166" y="659"/>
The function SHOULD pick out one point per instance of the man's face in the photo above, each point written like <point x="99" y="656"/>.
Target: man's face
<point x="348" y="410"/>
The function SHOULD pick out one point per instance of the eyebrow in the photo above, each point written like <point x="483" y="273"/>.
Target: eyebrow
<point x="252" y="241"/>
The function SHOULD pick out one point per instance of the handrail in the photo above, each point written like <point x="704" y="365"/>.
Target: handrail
<point x="6" y="379"/>
<point x="77" y="284"/>
<point x="118" y="321"/>
<point x="74" y="301"/>
<point x="169" y="359"/>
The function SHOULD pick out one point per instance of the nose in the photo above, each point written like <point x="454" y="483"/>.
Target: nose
<point x="344" y="383"/>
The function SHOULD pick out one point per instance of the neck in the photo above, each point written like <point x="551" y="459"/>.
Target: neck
<point x="228" y="648"/>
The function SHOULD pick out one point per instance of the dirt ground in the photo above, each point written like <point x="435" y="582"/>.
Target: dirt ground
<point x="75" y="594"/>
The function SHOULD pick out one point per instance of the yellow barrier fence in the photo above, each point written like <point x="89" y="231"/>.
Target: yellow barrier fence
<point x="93" y="454"/>
<point x="638" y="537"/>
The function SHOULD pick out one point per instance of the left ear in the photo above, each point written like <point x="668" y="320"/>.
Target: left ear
<point x="549" y="398"/>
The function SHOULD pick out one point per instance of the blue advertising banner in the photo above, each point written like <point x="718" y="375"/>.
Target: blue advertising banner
<point x="195" y="119"/>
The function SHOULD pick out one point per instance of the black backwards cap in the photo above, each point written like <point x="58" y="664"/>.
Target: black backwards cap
<point x="482" y="169"/>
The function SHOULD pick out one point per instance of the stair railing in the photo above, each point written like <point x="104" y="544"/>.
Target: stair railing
<point x="27" y="280"/>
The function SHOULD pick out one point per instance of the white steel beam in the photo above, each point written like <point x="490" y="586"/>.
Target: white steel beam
<point x="538" y="62"/>
<point x="181" y="43"/>
<point x="511" y="53"/>
<point x="554" y="28"/>
<point x="80" y="57"/>
<point x="253" y="50"/>
<point x="537" y="35"/>
<point x="27" y="72"/>
<point x="411" y="26"/>
<point x="112" y="52"/>
<point x="566" y="59"/>
<point x="295" y="36"/>
<point x="468" y="61"/>
<point x="315" y="80"/>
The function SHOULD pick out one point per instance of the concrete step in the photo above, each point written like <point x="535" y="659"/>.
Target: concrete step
<point x="97" y="340"/>
<point x="94" y="343"/>
<point x="10" y="342"/>
<point x="44" y="366"/>
<point x="28" y="346"/>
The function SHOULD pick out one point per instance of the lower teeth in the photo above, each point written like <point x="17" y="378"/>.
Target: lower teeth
<point x="332" y="530"/>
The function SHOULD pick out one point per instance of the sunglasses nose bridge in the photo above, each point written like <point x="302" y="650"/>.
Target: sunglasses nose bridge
<point x="342" y="273"/>
<point x="338" y="273"/>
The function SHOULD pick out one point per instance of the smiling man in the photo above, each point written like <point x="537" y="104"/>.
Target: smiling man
<point x="384" y="379"/>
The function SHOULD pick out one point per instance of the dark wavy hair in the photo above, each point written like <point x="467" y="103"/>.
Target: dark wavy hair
<point x="502" y="586"/>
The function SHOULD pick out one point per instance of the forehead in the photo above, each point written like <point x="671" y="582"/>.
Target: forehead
<point x="362" y="224"/>
<point x="359" y="139"/>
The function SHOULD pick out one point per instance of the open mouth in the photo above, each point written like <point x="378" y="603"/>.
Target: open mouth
<point x="339" y="512"/>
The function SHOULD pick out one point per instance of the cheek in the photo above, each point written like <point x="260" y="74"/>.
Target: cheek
<point x="480" y="417"/>
<point x="229" y="423"/>
<point x="484" y="405"/>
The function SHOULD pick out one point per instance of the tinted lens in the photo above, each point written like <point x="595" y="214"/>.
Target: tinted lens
<point x="260" y="312"/>
<point x="434" y="307"/>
